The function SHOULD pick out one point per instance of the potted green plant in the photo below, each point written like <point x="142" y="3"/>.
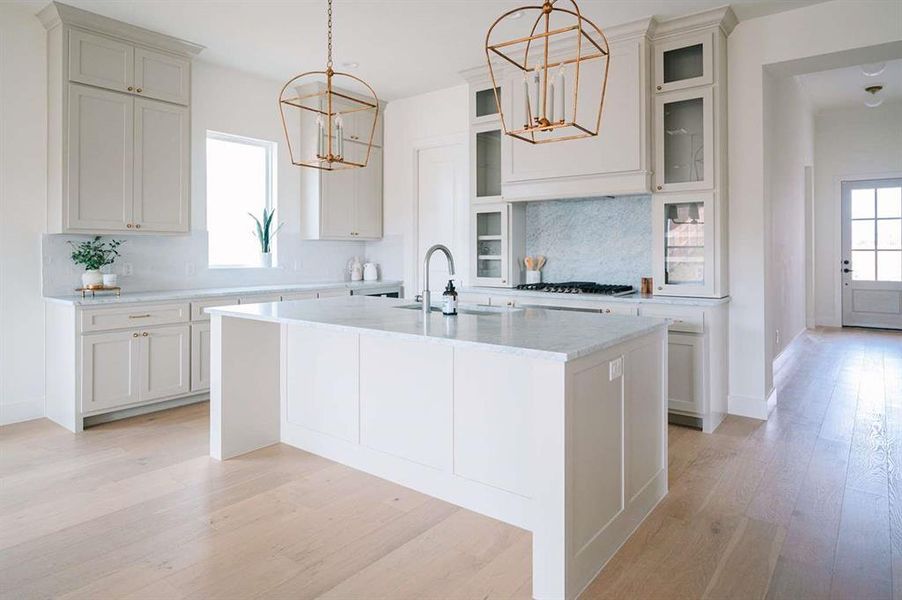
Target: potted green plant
<point x="264" y="232"/>
<point x="93" y="255"/>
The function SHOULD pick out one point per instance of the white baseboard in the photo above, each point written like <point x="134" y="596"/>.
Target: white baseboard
<point x="747" y="406"/>
<point x="21" y="411"/>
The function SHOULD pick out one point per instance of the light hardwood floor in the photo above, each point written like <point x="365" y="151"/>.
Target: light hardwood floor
<point x="806" y="505"/>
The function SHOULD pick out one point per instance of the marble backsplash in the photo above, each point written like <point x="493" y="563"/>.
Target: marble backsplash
<point x="608" y="239"/>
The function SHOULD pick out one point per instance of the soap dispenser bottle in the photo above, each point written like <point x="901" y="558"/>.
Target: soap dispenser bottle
<point x="449" y="299"/>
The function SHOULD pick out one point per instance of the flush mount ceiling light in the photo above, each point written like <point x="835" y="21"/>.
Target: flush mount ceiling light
<point x="873" y="69"/>
<point x="316" y="114"/>
<point x="874" y="100"/>
<point x="562" y="52"/>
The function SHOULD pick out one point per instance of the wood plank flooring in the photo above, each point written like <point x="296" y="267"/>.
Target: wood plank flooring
<point x="805" y="505"/>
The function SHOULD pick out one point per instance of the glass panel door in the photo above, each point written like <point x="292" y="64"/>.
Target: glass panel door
<point x="684" y="243"/>
<point x="488" y="164"/>
<point x="684" y="62"/>
<point x="684" y="140"/>
<point x="491" y="239"/>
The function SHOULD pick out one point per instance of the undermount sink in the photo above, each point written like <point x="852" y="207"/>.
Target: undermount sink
<point x="469" y="309"/>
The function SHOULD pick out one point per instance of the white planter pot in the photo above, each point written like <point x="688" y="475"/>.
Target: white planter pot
<point x="266" y="259"/>
<point x="92" y="278"/>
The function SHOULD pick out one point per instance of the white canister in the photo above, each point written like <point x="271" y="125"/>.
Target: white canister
<point x="371" y="272"/>
<point x="110" y="280"/>
<point x="355" y="269"/>
<point x="533" y="277"/>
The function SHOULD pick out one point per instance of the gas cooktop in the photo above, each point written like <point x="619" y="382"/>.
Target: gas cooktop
<point x="579" y="287"/>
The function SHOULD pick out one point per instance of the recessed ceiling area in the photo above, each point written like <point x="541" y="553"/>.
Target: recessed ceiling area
<point x="403" y="47"/>
<point x="845" y="87"/>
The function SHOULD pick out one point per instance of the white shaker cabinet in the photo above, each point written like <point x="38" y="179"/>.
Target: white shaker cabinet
<point x="685" y="372"/>
<point x="100" y="159"/>
<point x="200" y="355"/>
<point x="161" y="166"/>
<point x="101" y="61"/>
<point x="110" y="370"/>
<point x="165" y="362"/>
<point x="162" y="76"/>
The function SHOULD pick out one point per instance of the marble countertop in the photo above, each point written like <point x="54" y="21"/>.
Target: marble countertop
<point x="169" y="295"/>
<point x="535" y="333"/>
<point x="635" y="298"/>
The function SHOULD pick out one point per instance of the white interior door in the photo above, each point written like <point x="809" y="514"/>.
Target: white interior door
<point x="872" y="253"/>
<point x="440" y="181"/>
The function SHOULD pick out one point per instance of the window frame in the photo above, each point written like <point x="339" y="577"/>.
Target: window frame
<point x="271" y="150"/>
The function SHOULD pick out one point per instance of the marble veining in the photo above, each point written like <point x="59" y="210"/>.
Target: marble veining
<point x="608" y="239"/>
<point x="536" y="333"/>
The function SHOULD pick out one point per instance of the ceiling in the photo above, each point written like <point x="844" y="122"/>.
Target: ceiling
<point x="403" y="47"/>
<point x="844" y="88"/>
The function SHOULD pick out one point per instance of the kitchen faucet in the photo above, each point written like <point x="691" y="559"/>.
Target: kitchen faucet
<point x="427" y="296"/>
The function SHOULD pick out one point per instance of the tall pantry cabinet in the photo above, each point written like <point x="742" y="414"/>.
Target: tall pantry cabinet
<point x="118" y="125"/>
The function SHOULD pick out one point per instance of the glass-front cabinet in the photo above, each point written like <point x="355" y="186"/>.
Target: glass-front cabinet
<point x="498" y="236"/>
<point x="684" y="139"/>
<point x="684" y="62"/>
<point x="485" y="155"/>
<point x="685" y="245"/>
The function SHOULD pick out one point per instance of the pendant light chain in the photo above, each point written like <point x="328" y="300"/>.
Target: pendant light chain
<point x="329" y="61"/>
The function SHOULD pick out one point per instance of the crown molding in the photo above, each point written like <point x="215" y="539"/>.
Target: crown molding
<point x="57" y="13"/>
<point x="722" y="17"/>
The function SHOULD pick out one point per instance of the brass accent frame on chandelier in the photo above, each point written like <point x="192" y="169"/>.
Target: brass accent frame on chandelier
<point x="537" y="123"/>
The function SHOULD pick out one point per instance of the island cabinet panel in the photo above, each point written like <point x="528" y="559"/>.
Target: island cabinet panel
<point x="493" y="417"/>
<point x="321" y="387"/>
<point x="410" y="416"/>
<point x="596" y="422"/>
<point x="646" y="451"/>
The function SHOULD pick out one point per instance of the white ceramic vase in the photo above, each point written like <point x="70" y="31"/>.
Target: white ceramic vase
<point x="92" y="278"/>
<point x="266" y="259"/>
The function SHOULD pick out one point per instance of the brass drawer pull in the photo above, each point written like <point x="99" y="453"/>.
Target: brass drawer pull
<point x="135" y="334"/>
<point x="145" y="334"/>
<point x="140" y="316"/>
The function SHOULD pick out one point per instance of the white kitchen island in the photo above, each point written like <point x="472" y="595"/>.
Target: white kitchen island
<point x="551" y="421"/>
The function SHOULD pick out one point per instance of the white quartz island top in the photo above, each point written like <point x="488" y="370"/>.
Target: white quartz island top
<point x="189" y="294"/>
<point x="537" y="333"/>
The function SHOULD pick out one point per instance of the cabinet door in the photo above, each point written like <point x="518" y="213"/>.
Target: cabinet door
<point x="101" y="61"/>
<point x="684" y="245"/>
<point x="684" y="62"/>
<point x="161" y="171"/>
<point x="337" y="203"/>
<point x="200" y="357"/>
<point x="369" y="198"/>
<point x="100" y="150"/>
<point x="109" y="370"/>
<point x="164" y="362"/>
<point x="162" y="76"/>
<point x="684" y="140"/>
<point x="491" y="231"/>
<point x="685" y="373"/>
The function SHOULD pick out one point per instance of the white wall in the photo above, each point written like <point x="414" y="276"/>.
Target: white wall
<point x="227" y="101"/>
<point x="789" y="144"/>
<point x="23" y="164"/>
<point x="850" y="143"/>
<point x="410" y="123"/>
<point x="815" y="30"/>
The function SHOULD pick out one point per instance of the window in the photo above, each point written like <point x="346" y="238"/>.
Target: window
<point x="240" y="180"/>
<point x="876" y="230"/>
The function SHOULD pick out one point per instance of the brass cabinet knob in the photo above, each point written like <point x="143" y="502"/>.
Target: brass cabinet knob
<point x="659" y="88"/>
<point x="129" y="225"/>
<point x="660" y="187"/>
<point x="135" y="334"/>
<point x="139" y="90"/>
<point x="137" y="226"/>
<point x="130" y="88"/>
<point x="145" y="334"/>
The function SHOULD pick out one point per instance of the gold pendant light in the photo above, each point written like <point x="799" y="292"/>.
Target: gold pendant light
<point x="563" y="61"/>
<point x="317" y="113"/>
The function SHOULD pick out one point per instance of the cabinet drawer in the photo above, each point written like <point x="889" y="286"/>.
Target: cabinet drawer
<point x="121" y="317"/>
<point x="260" y="298"/>
<point x="198" y="306"/>
<point x="298" y="296"/>
<point x="610" y="308"/>
<point x="690" y="319"/>
<point x="333" y="293"/>
<point x="471" y="298"/>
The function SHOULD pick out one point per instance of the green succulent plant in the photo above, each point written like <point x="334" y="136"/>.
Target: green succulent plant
<point x="95" y="253"/>
<point x="264" y="231"/>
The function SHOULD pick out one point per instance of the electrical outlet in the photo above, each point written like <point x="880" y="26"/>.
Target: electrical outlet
<point x="128" y="269"/>
<point x="777" y="338"/>
<point x="190" y="269"/>
<point x="615" y="369"/>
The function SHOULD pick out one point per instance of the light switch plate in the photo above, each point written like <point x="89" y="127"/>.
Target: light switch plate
<point x="615" y="368"/>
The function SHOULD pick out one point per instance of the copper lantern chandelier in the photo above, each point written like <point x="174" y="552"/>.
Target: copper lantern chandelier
<point x="318" y="117"/>
<point x="563" y="63"/>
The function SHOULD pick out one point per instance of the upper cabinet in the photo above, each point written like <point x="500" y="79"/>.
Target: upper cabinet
<point x="118" y="126"/>
<point x="684" y="61"/>
<point x="685" y="122"/>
